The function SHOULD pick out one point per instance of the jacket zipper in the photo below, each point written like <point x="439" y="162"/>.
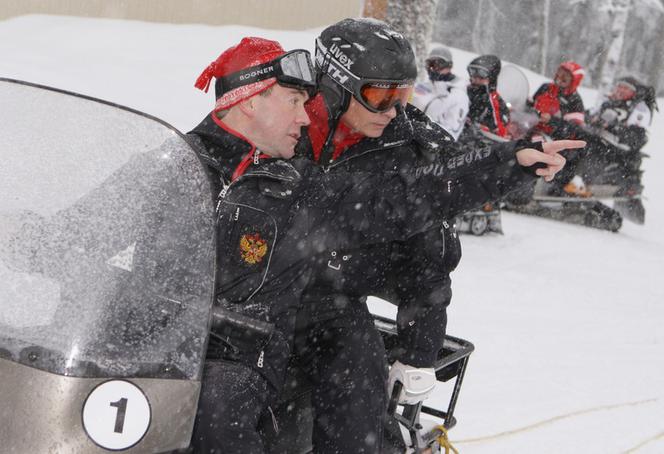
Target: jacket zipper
<point x="336" y="163"/>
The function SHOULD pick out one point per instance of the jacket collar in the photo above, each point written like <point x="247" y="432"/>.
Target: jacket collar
<point x="225" y="149"/>
<point x="398" y="132"/>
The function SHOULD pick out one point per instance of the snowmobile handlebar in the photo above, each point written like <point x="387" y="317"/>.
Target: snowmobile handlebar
<point x="226" y="323"/>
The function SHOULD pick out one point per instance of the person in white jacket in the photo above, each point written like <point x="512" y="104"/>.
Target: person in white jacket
<point x="443" y="97"/>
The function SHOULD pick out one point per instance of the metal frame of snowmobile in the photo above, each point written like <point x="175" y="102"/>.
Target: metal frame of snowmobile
<point x="451" y="363"/>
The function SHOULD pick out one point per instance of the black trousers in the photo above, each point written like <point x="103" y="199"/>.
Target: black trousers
<point x="345" y="362"/>
<point x="344" y="358"/>
<point x="233" y="397"/>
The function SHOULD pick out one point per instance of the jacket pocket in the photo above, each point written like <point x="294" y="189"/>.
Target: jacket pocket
<point x="246" y="238"/>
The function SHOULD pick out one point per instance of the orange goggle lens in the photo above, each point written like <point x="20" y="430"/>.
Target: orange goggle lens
<point x="382" y="97"/>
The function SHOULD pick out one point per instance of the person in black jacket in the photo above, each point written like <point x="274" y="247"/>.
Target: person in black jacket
<point x="487" y="108"/>
<point x="361" y="124"/>
<point x="269" y="234"/>
<point x="627" y="113"/>
<point x="621" y="125"/>
<point x="258" y="115"/>
<point x="560" y="100"/>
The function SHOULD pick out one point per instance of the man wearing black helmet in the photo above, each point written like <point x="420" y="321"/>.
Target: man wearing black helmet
<point x="360" y="123"/>
<point x="487" y="108"/>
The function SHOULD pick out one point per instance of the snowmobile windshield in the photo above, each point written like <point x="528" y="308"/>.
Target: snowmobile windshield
<point x="514" y="88"/>
<point x="106" y="239"/>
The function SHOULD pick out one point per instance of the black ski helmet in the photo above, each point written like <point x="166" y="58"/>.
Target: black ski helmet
<point x="490" y="64"/>
<point x="356" y="50"/>
<point x="642" y="92"/>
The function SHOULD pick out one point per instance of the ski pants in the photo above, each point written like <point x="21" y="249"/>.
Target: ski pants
<point x="233" y="397"/>
<point x="344" y="358"/>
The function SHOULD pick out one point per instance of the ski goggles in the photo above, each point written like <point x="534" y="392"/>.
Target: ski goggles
<point x="293" y="69"/>
<point x="478" y="71"/>
<point x="625" y="85"/>
<point x="438" y="64"/>
<point x="380" y="96"/>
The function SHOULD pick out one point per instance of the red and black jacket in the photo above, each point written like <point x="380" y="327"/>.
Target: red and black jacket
<point x="261" y="271"/>
<point x="549" y="98"/>
<point x="488" y="109"/>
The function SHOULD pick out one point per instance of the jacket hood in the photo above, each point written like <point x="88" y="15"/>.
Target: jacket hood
<point x="577" y="73"/>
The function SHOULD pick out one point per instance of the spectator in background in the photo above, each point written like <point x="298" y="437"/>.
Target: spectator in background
<point x="487" y="108"/>
<point x="443" y="97"/>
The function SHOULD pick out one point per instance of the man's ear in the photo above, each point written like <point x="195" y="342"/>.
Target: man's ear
<point x="248" y="107"/>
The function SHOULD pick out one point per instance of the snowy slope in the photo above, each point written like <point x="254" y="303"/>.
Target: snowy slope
<point x="567" y="321"/>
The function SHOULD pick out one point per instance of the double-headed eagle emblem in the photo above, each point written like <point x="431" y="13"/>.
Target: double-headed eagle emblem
<point x="252" y="248"/>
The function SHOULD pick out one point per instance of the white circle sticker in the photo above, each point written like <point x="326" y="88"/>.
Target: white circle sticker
<point x="116" y="415"/>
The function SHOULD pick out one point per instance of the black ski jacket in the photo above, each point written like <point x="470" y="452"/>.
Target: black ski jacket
<point x="488" y="109"/>
<point x="437" y="182"/>
<point x="613" y="117"/>
<point x="275" y="220"/>
<point x="261" y="246"/>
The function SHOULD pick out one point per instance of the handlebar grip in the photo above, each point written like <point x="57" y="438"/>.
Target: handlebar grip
<point x="224" y="322"/>
<point x="394" y="399"/>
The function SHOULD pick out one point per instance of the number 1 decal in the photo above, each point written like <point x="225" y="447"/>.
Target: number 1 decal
<point x="110" y="420"/>
<point x="121" y="405"/>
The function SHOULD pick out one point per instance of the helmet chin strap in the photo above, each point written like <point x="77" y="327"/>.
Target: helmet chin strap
<point x="337" y="99"/>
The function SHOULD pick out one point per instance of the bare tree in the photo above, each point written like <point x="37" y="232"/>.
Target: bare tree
<point x="544" y="40"/>
<point x="413" y="18"/>
<point x="375" y="8"/>
<point x="619" y="12"/>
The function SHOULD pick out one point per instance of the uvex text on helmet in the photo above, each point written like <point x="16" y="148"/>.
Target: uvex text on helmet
<point x="364" y="49"/>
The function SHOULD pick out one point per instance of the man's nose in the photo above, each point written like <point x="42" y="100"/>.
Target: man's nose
<point x="302" y="117"/>
<point x="391" y="112"/>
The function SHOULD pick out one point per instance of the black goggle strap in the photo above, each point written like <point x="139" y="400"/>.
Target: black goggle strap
<point x="293" y="68"/>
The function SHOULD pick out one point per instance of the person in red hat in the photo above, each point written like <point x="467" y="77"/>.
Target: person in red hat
<point x="560" y="99"/>
<point x="260" y="91"/>
<point x="254" y="67"/>
<point x="560" y="109"/>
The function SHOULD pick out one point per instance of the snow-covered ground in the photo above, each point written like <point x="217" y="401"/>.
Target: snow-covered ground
<point x="567" y="321"/>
